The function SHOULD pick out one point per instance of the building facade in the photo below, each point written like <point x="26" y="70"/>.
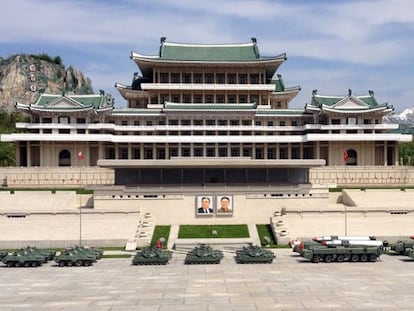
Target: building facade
<point x="206" y="114"/>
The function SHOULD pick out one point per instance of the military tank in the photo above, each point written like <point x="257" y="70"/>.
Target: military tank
<point x="254" y="254"/>
<point x="151" y="256"/>
<point x="203" y="254"/>
<point x="72" y="258"/>
<point x="23" y="259"/>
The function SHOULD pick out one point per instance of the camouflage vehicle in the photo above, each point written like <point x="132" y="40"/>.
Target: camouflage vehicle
<point x="299" y="247"/>
<point x="203" y="254"/>
<point x="23" y="259"/>
<point x="88" y="250"/>
<point x="151" y="256"/>
<point x="342" y="253"/>
<point x="403" y="247"/>
<point x="254" y="254"/>
<point x="47" y="254"/>
<point x="72" y="258"/>
<point x="3" y="254"/>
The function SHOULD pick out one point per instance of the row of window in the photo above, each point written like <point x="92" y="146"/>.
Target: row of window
<point x="208" y="122"/>
<point x="161" y="153"/>
<point x="210" y="78"/>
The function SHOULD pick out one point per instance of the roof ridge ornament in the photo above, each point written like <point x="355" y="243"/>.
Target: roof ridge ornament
<point x="349" y="92"/>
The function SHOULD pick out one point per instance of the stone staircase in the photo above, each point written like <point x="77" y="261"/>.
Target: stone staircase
<point x="279" y="227"/>
<point x="143" y="234"/>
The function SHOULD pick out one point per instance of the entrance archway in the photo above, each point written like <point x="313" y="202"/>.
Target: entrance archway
<point x="64" y="158"/>
<point x="352" y="157"/>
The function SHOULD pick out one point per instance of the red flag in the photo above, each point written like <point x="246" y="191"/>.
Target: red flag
<point x="345" y="155"/>
<point x="80" y="155"/>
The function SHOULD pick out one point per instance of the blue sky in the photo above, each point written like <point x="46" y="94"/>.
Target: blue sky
<point x="332" y="46"/>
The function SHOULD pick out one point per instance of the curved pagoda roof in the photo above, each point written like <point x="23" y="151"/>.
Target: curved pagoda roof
<point x="349" y="104"/>
<point x="70" y="103"/>
<point x="171" y="52"/>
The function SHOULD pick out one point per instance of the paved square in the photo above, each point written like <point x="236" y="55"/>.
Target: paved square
<point x="288" y="283"/>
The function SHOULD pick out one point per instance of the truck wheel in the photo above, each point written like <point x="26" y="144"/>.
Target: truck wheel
<point x="17" y="264"/>
<point x="327" y="258"/>
<point x="35" y="264"/>
<point x="354" y="258"/>
<point x="78" y="263"/>
<point x="61" y="263"/>
<point x="373" y="258"/>
<point x="10" y="264"/>
<point x="316" y="258"/>
<point x="69" y="263"/>
<point x="363" y="257"/>
<point x="86" y="263"/>
<point x="340" y="258"/>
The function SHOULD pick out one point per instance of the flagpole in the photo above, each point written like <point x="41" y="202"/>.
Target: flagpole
<point x="346" y="211"/>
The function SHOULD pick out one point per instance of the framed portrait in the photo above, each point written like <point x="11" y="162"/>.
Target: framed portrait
<point x="224" y="205"/>
<point x="204" y="205"/>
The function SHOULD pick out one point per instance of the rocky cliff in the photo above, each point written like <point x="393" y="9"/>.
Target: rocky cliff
<point x="23" y="77"/>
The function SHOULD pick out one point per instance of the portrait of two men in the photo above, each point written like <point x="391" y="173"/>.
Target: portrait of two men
<point x="214" y="205"/>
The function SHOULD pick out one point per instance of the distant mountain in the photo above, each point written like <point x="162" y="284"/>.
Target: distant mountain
<point x="405" y="117"/>
<point x="23" y="77"/>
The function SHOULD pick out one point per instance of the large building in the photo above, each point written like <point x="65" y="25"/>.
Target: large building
<point x="206" y="114"/>
<point x="207" y="137"/>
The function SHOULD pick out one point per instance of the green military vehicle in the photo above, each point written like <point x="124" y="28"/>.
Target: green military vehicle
<point x="47" y="254"/>
<point x="23" y="259"/>
<point x="403" y="247"/>
<point x="254" y="254"/>
<point x="151" y="256"/>
<point x="340" y="253"/>
<point x="3" y="254"/>
<point x="203" y="254"/>
<point x="71" y="258"/>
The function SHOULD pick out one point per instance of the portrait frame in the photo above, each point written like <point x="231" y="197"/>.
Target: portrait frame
<point x="201" y="201"/>
<point x="224" y="201"/>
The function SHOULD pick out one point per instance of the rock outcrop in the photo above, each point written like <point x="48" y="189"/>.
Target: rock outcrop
<point x="23" y="77"/>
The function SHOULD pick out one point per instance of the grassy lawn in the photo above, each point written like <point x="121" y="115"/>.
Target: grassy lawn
<point x="266" y="230"/>
<point x="161" y="231"/>
<point x="205" y="231"/>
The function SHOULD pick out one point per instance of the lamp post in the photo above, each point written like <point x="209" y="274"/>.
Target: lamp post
<point x="80" y="157"/>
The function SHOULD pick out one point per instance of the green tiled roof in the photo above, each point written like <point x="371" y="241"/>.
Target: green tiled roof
<point x="279" y="85"/>
<point x="231" y="52"/>
<point x="135" y="111"/>
<point x="96" y="101"/>
<point x="282" y="112"/>
<point x="319" y="101"/>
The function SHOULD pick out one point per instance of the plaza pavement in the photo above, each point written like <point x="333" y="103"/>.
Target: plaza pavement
<point x="289" y="283"/>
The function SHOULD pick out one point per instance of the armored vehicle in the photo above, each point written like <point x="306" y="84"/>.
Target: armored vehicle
<point x="203" y="254"/>
<point x="403" y="247"/>
<point x="342" y="253"/>
<point x="89" y="251"/>
<point x="47" y="254"/>
<point x="254" y="254"/>
<point x="23" y="259"/>
<point x="3" y="254"/>
<point x="299" y="247"/>
<point x="151" y="256"/>
<point x="71" y="258"/>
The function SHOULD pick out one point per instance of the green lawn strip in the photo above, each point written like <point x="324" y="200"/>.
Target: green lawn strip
<point x="160" y="232"/>
<point x="206" y="231"/>
<point x="266" y="230"/>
